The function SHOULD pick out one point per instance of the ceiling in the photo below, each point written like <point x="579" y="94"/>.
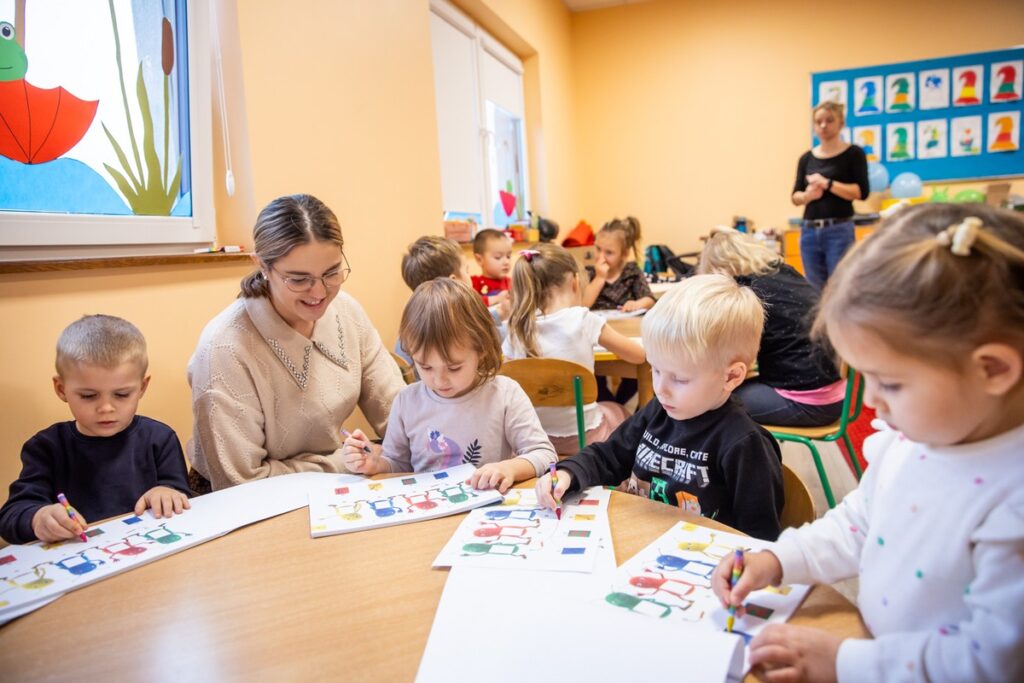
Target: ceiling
<point x="584" y="5"/>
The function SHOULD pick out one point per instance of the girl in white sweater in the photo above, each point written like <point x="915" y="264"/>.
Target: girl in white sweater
<point x="460" y="411"/>
<point x="931" y="310"/>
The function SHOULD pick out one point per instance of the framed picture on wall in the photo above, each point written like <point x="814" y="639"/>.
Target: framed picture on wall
<point x="107" y="138"/>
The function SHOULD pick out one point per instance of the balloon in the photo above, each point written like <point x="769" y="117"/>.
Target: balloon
<point x="939" y="196"/>
<point x="969" y="196"/>
<point x="878" y="176"/>
<point x="906" y="186"/>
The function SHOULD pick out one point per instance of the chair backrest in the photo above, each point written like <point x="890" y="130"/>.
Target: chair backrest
<point x="549" y="381"/>
<point x="408" y="373"/>
<point x="853" y="400"/>
<point x="799" y="507"/>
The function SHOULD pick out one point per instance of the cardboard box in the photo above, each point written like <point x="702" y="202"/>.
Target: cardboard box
<point x="460" y="231"/>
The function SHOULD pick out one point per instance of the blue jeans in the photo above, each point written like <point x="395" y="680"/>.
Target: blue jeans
<point x="766" y="406"/>
<point x="821" y="249"/>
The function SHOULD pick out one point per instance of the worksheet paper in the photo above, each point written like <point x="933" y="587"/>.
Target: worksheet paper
<point x="35" y="574"/>
<point x="520" y="534"/>
<point x="541" y="626"/>
<point x="400" y="500"/>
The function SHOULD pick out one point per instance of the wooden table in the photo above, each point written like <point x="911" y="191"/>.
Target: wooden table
<point x="267" y="602"/>
<point x="607" y="363"/>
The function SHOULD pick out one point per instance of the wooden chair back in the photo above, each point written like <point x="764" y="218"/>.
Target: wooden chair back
<point x="799" y="507"/>
<point x="549" y="381"/>
<point x="408" y="373"/>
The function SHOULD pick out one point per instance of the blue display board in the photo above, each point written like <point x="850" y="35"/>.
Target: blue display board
<point x="951" y="118"/>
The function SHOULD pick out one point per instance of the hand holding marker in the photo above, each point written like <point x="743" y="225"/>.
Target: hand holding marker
<point x="554" y="485"/>
<point x="737" y="571"/>
<point x="348" y="435"/>
<point x="71" y="513"/>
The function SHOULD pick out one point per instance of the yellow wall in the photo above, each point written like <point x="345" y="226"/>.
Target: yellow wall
<point x="691" y="112"/>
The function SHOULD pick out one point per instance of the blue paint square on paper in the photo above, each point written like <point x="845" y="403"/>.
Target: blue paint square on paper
<point x="441" y="475"/>
<point x="132" y="520"/>
<point x="573" y="551"/>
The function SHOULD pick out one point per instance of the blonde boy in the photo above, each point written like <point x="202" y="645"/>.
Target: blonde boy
<point x="431" y="257"/>
<point x="108" y="460"/>
<point x="694" y="445"/>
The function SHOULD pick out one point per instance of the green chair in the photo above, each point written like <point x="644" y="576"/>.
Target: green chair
<point x="547" y="380"/>
<point x="852" y="403"/>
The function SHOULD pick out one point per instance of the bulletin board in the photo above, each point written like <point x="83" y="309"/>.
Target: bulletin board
<point x="950" y="118"/>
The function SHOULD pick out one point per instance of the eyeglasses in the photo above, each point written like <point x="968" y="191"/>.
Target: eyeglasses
<point x="331" y="280"/>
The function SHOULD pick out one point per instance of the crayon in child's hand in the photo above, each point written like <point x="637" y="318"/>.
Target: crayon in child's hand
<point x="347" y="434"/>
<point x="737" y="571"/>
<point x="71" y="513"/>
<point x="554" y="485"/>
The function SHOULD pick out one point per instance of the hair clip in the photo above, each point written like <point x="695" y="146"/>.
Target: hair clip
<point x="961" y="237"/>
<point x="529" y="254"/>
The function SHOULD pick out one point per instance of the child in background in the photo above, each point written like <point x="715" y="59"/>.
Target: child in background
<point x="930" y="309"/>
<point x="493" y="252"/>
<point x="460" y="411"/>
<point x="547" y="321"/>
<point x="108" y="460"/>
<point x="617" y="283"/>
<point x="693" y="445"/>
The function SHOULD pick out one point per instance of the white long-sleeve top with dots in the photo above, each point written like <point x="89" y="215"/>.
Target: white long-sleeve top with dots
<point x="936" y="536"/>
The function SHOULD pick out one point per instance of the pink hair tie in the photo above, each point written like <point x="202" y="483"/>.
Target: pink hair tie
<point x="529" y="254"/>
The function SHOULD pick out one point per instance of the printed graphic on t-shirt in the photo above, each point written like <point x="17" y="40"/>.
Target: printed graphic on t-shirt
<point x="668" y="473"/>
<point x="449" y="453"/>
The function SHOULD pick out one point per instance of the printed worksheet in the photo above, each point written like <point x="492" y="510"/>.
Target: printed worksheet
<point x="520" y="534"/>
<point x="370" y="504"/>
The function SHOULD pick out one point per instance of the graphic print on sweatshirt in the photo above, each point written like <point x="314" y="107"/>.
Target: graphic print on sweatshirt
<point x="449" y="453"/>
<point x="670" y="474"/>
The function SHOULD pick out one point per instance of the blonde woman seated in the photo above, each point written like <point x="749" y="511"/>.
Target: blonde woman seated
<point x="797" y="384"/>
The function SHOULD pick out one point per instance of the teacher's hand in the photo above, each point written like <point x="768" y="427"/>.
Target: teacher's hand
<point x="817" y="180"/>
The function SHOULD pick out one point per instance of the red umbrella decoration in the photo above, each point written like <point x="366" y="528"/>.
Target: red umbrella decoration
<point x="38" y="124"/>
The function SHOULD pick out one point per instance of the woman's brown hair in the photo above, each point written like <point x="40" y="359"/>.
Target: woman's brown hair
<point x="282" y="225"/>
<point x="443" y="313"/>
<point x="627" y="230"/>
<point x="535" y="274"/>
<point x="936" y="280"/>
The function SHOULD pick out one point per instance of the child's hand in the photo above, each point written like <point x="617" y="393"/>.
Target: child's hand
<point x="498" y="299"/>
<point x="494" y="475"/>
<point x="631" y="306"/>
<point x="504" y="309"/>
<point x="795" y="653"/>
<point x="759" y="570"/>
<point x="164" y="501"/>
<point x="51" y="524"/>
<point x="547" y="497"/>
<point x="601" y="268"/>
<point x="358" y="455"/>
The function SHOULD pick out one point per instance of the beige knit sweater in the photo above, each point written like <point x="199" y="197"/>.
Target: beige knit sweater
<point x="266" y="400"/>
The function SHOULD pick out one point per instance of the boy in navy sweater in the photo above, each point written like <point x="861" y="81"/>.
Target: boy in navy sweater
<point x="694" y="445"/>
<point x="108" y="460"/>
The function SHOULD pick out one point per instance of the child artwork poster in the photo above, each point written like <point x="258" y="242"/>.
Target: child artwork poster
<point x="899" y="92"/>
<point x="1004" y="131"/>
<point x="931" y="139"/>
<point x="520" y="534"/>
<point x="869" y="138"/>
<point x="1006" y="81"/>
<point x="835" y="91"/>
<point x="965" y="138"/>
<point x="868" y="95"/>
<point x="968" y="85"/>
<point x="933" y="85"/>
<point x="399" y="500"/>
<point x="899" y="142"/>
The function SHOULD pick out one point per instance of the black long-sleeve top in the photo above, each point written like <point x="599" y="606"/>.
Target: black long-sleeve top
<point x="102" y="476"/>
<point x="850" y="166"/>
<point x="720" y="464"/>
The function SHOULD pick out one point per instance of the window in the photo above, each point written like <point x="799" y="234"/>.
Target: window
<point x="105" y="135"/>
<point x="479" y="95"/>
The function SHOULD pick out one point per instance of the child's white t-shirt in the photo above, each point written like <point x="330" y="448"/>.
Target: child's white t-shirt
<point x="568" y="334"/>
<point x="936" y="535"/>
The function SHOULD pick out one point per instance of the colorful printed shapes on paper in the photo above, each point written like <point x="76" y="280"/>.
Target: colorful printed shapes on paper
<point x="1003" y="142"/>
<point x="689" y="526"/>
<point x="745" y="636"/>
<point x="41" y="124"/>
<point x="409" y="481"/>
<point x="573" y="551"/>
<point x="7" y="559"/>
<point x="589" y="501"/>
<point x="51" y="546"/>
<point x="1006" y="90"/>
<point x="758" y="611"/>
<point x="901" y="96"/>
<point x="341" y="491"/>
<point x="132" y="520"/>
<point x="781" y="590"/>
<point x="508" y="202"/>
<point x="440" y="475"/>
<point x="967" y="93"/>
<point x="92" y="533"/>
<point x="579" y="533"/>
<point x="584" y="518"/>
<point x="375" y="486"/>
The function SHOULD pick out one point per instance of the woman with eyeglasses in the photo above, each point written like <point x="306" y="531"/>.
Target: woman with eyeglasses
<point x="277" y="372"/>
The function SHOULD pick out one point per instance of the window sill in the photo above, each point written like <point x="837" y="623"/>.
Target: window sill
<point x="52" y="265"/>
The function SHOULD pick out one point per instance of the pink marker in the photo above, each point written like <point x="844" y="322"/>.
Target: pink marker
<point x="71" y="513"/>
